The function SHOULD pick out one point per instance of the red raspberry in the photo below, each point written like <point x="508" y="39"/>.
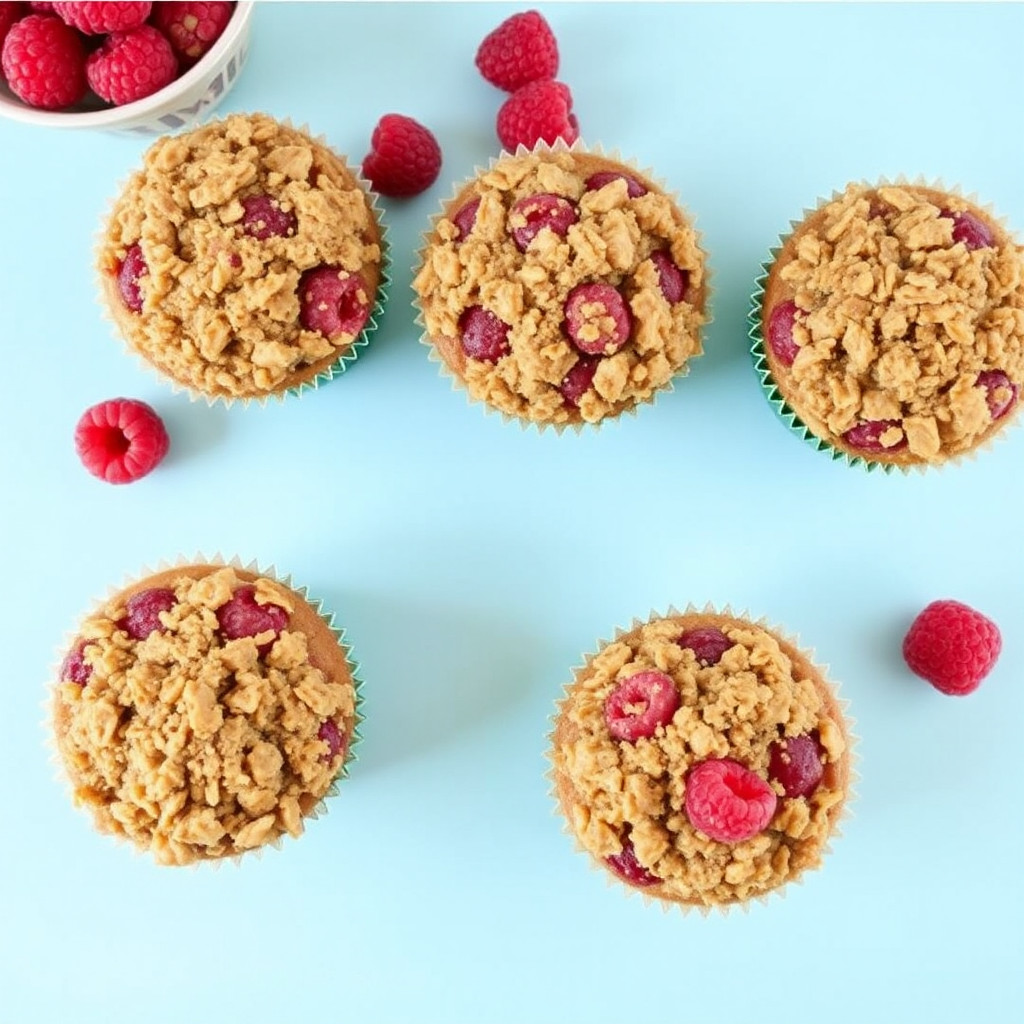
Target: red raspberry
<point x="132" y="267"/>
<point x="333" y="737"/>
<point x="121" y="440"/>
<point x="640" y="704"/>
<point x="952" y="646"/>
<point x="970" y="230"/>
<point x="483" y="335"/>
<point x="74" y="668"/>
<point x="599" y="179"/>
<point x="867" y="436"/>
<point x="333" y="302"/>
<point x="544" y="210"/>
<point x="142" y="612"/>
<point x="129" y="66"/>
<point x="244" y="616"/>
<point x="795" y="762"/>
<point x="727" y="801"/>
<point x="1000" y="392"/>
<point x="44" y="62"/>
<point x="707" y="643"/>
<point x="780" y="332"/>
<point x="538" y="112"/>
<point x="628" y="868"/>
<point x="522" y="49"/>
<point x="9" y="14"/>
<point x="97" y="19"/>
<point x="578" y="381"/>
<point x="191" y="26"/>
<point x="465" y="218"/>
<point x="262" y="218"/>
<point x="672" y="281"/>
<point x="404" y="158"/>
<point x="597" y="319"/>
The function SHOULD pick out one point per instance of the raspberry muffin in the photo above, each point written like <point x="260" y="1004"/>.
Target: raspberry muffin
<point x="205" y="711"/>
<point x="890" y="329"/>
<point x="244" y="260"/>
<point x="562" y="287"/>
<point x="701" y="759"/>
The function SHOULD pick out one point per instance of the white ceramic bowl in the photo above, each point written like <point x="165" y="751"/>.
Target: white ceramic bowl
<point x="186" y="100"/>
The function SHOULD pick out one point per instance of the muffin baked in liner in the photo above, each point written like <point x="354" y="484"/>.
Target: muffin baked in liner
<point x="623" y="801"/>
<point x="909" y="326"/>
<point x="219" y="317"/>
<point x="524" y="280"/>
<point x="190" y="736"/>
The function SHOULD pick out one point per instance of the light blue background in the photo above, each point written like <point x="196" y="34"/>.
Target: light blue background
<point x="473" y="563"/>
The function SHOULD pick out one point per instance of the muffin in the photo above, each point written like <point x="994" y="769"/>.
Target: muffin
<point x="562" y="287"/>
<point x="890" y="330"/>
<point x="205" y="711"/>
<point x="701" y="759"/>
<point x="245" y="260"/>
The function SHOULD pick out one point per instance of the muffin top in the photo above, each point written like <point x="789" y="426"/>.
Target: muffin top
<point x="203" y="712"/>
<point x="562" y="287"/>
<point x="244" y="258"/>
<point x="701" y="759"/>
<point x="893" y="324"/>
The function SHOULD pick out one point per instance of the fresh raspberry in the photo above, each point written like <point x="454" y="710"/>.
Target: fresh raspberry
<point x="142" y="612"/>
<point x="404" y="158"/>
<point x="952" y="646"/>
<point x="74" y="668"/>
<point x="707" y="643"/>
<point x="44" y="62"/>
<point x="578" y="381"/>
<point x="795" y="762"/>
<point x="867" y="436"/>
<point x="129" y="66"/>
<point x="483" y="335"/>
<point x="333" y="737"/>
<point x="121" y="440"/>
<point x="1000" y="392"/>
<point x="780" y="332"/>
<point x="9" y="14"/>
<point x="640" y="704"/>
<point x="597" y="318"/>
<point x="191" y="26"/>
<point x="262" y="218"/>
<point x="531" y="214"/>
<point x="132" y="267"/>
<point x="465" y="217"/>
<point x="599" y="179"/>
<point x="538" y="112"/>
<point x="244" y="616"/>
<point x="522" y="49"/>
<point x="970" y="230"/>
<point x="727" y="801"/>
<point x="333" y="302"/>
<point x="97" y="19"/>
<point x="672" y="281"/>
<point x="628" y="868"/>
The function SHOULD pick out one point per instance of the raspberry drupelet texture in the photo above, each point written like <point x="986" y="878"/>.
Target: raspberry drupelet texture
<point x="404" y="158"/>
<point x="538" y="112"/>
<point x="727" y="801"/>
<point x="522" y="49"/>
<point x="191" y="26"/>
<point x="44" y="62"/>
<point x="131" y="65"/>
<point x="96" y="19"/>
<point x="121" y="440"/>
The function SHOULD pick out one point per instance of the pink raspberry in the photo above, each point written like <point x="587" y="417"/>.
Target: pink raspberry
<point x="538" y="112"/>
<point x="628" y="868"/>
<point x="1000" y="392"/>
<point x="263" y="218"/>
<point x="483" y="335"/>
<point x="780" y="332"/>
<point x="578" y="381"/>
<point x="795" y="762"/>
<point x="191" y="26"/>
<point x="129" y="66"/>
<point x="132" y="267"/>
<point x="530" y="215"/>
<point x="142" y="612"/>
<point x="867" y="436"/>
<point x="522" y="49"/>
<point x="464" y="218"/>
<point x="244" y="616"/>
<point x="672" y="280"/>
<point x="404" y="158"/>
<point x="727" y="801"/>
<point x="952" y="646"/>
<point x="74" y="668"/>
<point x="330" y="734"/>
<point x="121" y="440"/>
<point x="970" y="230"/>
<point x="598" y="180"/>
<point x="333" y="302"/>
<point x="44" y="62"/>
<point x="597" y="319"/>
<point x="9" y="14"/>
<point x="707" y="643"/>
<point x="640" y="704"/>
<point x="97" y="19"/>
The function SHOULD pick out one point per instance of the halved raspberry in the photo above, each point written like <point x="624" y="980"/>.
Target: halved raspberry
<point x="640" y="704"/>
<point x="96" y="18"/>
<point x="121" y="440"/>
<point x="628" y="868"/>
<point x="74" y="668"/>
<point x="132" y="267"/>
<point x="44" y="62"/>
<point x="1000" y="392"/>
<point x="867" y="436"/>
<point x="970" y="230"/>
<point x="672" y="280"/>
<point x="578" y="381"/>
<point x="599" y="179"/>
<point x="142" y="612"/>
<point x="465" y="218"/>
<point x="780" y="332"/>
<point x="531" y="215"/>
<point x="263" y="218"/>
<point x="520" y="50"/>
<point x="952" y="646"/>
<point x="727" y="801"/>
<point x="597" y="318"/>
<point x="795" y="762"/>
<point x="483" y="335"/>
<point x="707" y="643"/>
<point x="131" y="65"/>
<point x="244" y="616"/>
<point x="191" y="26"/>
<point x="333" y="302"/>
<point x="333" y="737"/>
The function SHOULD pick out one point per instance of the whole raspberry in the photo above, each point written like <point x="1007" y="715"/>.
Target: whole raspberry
<point x="9" y="14"/>
<point x="532" y="213"/>
<point x="483" y="335"/>
<point x="121" y="440"/>
<point x="404" y="158"/>
<point x="952" y="646"/>
<point x="129" y="66"/>
<point x="597" y="318"/>
<point x="330" y="734"/>
<point x="522" y="49"/>
<point x="795" y="763"/>
<point x="672" y="281"/>
<point x="578" y="381"/>
<point x="142" y="611"/>
<point x="727" y="801"/>
<point x="97" y="19"/>
<point x="191" y="26"/>
<point x="871" y="436"/>
<point x="538" y="112"/>
<point x="706" y="642"/>
<point x="74" y="668"/>
<point x="628" y="868"/>
<point x="44" y="62"/>
<point x="243" y="616"/>
<point x="780" y="332"/>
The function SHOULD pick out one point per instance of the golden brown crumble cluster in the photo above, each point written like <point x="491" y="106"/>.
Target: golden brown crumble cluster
<point x="897" y="318"/>
<point x="761" y="689"/>
<point x="611" y="241"/>
<point x="196" y="747"/>
<point x="221" y="296"/>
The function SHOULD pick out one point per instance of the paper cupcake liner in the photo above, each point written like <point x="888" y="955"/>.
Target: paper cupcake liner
<point x="61" y="773"/>
<point x="344" y="359"/>
<point x="459" y="385"/>
<point x="778" y="892"/>
<point x="785" y="412"/>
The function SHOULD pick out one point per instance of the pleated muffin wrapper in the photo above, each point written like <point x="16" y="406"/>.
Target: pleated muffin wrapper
<point x="214" y="563"/>
<point x="578" y="425"/>
<point x="343" y="360"/>
<point x="649" y="894"/>
<point x="789" y="417"/>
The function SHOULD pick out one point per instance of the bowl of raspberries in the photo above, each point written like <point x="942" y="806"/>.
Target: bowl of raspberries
<point x="147" y="68"/>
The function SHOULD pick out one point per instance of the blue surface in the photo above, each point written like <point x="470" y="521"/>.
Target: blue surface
<point x="473" y="563"/>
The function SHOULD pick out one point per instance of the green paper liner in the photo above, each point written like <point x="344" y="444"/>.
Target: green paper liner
<point x="778" y="892"/>
<point x="318" y="810"/>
